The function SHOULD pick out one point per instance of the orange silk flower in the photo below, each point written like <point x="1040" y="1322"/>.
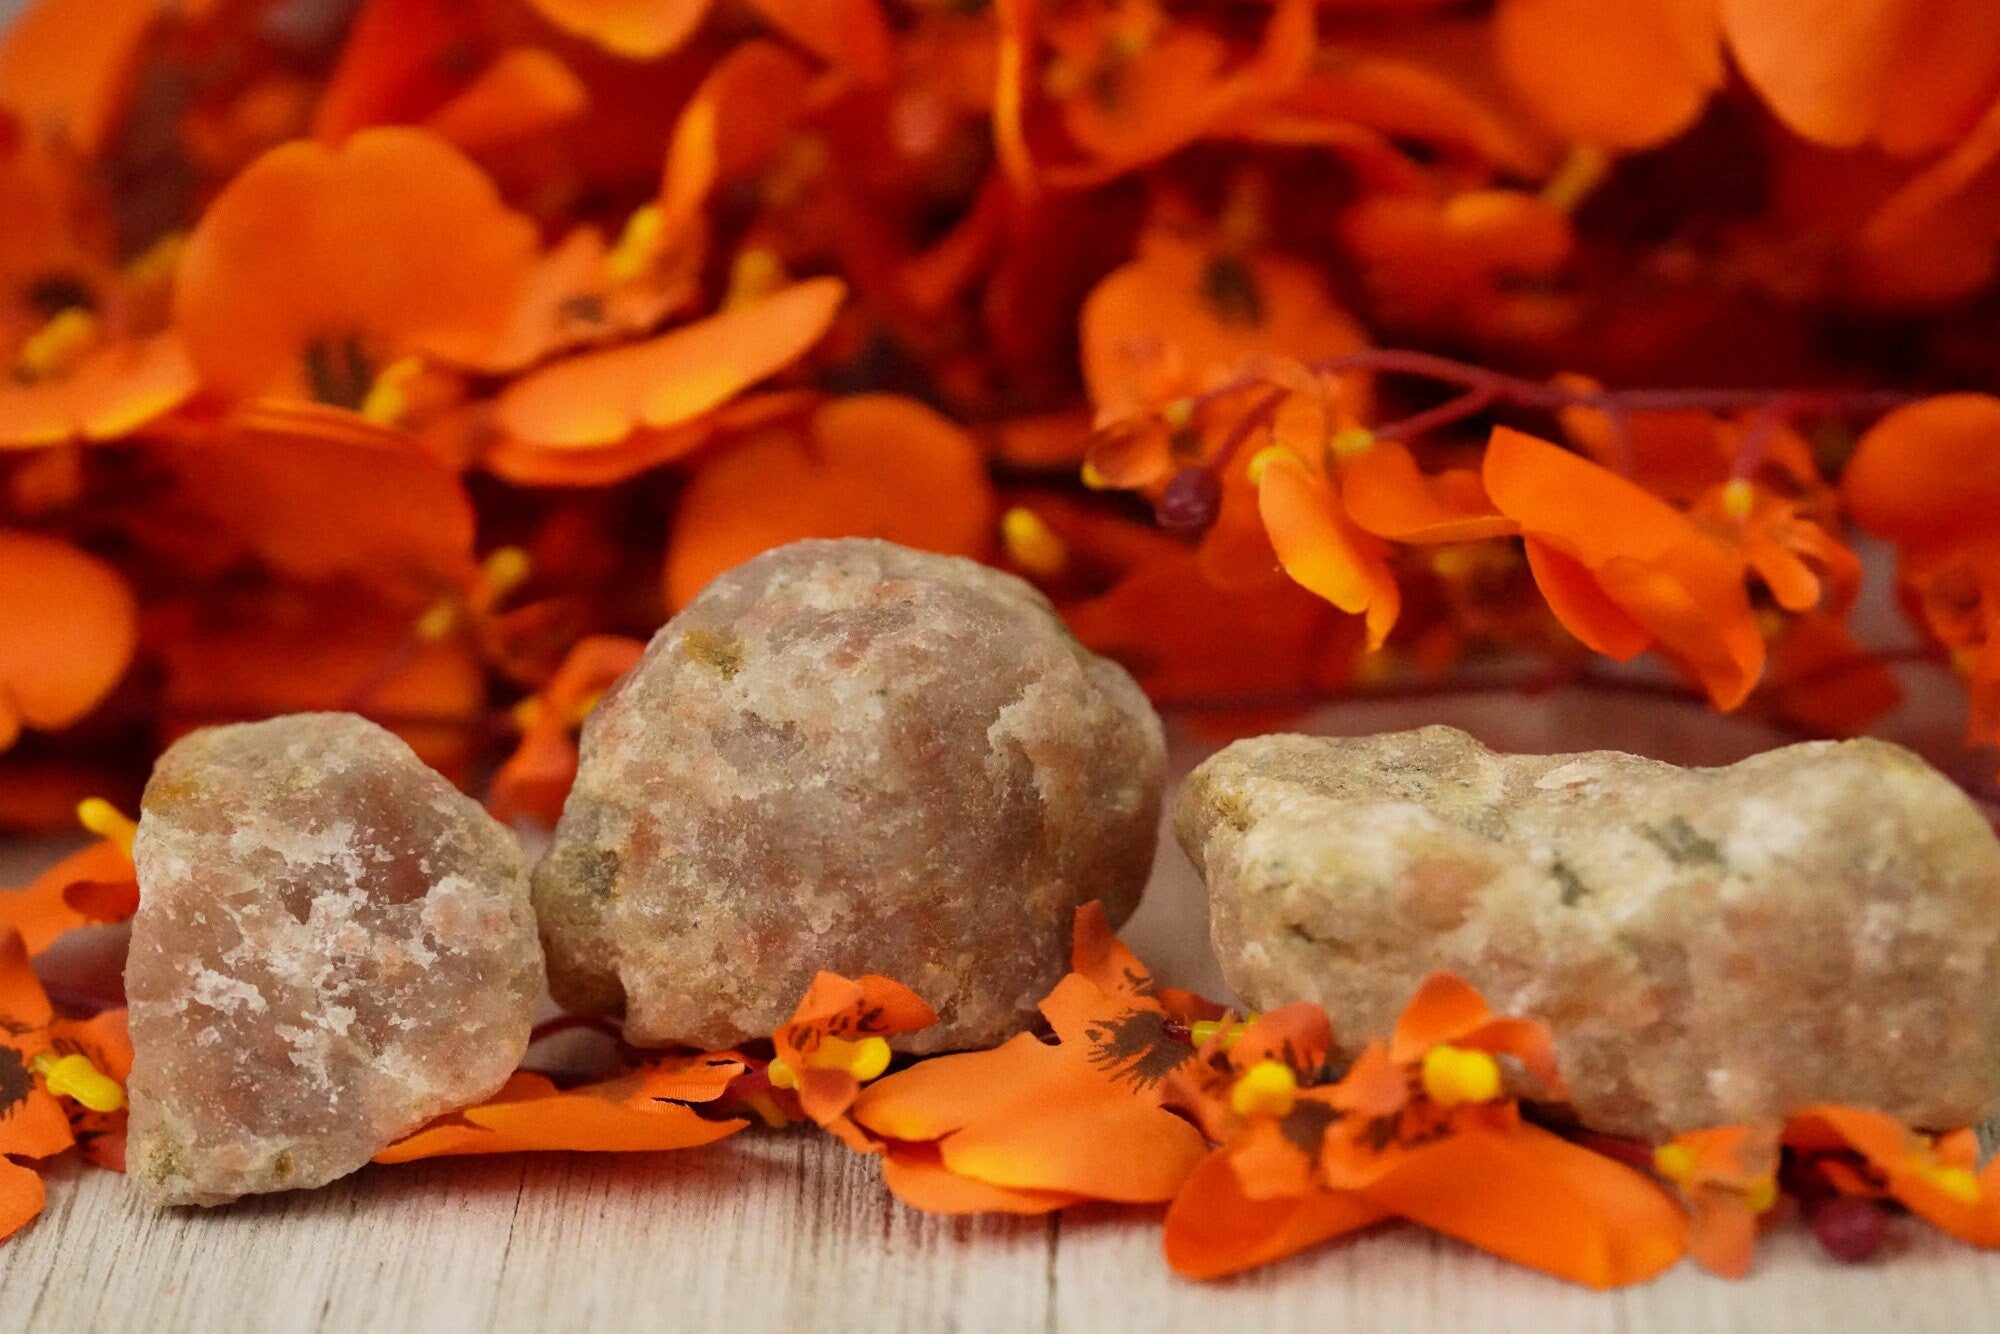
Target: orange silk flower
<point x="1032" y="1125"/>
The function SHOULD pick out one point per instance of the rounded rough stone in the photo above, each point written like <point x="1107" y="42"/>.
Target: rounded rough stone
<point x="333" y="945"/>
<point x="848" y="755"/>
<point x="1819" y="923"/>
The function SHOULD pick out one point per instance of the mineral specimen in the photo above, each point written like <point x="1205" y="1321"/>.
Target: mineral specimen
<point x="333" y="945"/>
<point x="1711" y="946"/>
<point x="847" y="755"/>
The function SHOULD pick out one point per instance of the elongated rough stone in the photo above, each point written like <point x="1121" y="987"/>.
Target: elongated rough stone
<point x="1711" y="946"/>
<point x="333" y="945"/>
<point x="850" y="756"/>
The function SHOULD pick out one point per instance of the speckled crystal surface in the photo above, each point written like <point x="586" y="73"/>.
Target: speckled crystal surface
<point x="333" y="945"/>
<point x="1710" y="946"/>
<point x="848" y="755"/>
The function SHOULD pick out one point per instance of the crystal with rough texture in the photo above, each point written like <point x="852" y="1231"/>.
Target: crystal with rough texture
<point x="1710" y="946"/>
<point x="333" y="945"/>
<point x="848" y="755"/>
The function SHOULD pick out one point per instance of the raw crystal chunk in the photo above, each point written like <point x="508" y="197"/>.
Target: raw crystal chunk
<point x="849" y="756"/>
<point x="333" y="945"/>
<point x="1711" y="946"/>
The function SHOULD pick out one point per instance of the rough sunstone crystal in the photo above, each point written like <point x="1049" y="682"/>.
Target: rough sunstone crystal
<point x="333" y="945"/>
<point x="848" y="755"/>
<point x="1820" y="923"/>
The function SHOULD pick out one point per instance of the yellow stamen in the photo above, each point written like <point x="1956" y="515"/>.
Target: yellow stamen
<point x="439" y="620"/>
<point x="781" y="1074"/>
<point x="504" y="570"/>
<point x="1739" y="498"/>
<point x="58" y="345"/>
<point x="756" y="273"/>
<point x="864" y="1058"/>
<point x="1031" y="544"/>
<point x="106" y="821"/>
<point x="767" y="1109"/>
<point x="527" y="713"/>
<point x="1675" y="1162"/>
<point x="1761" y="1196"/>
<point x="1454" y="562"/>
<point x="1178" y="414"/>
<point x="1955" y="1182"/>
<point x="638" y="246"/>
<point x="388" y="399"/>
<point x="1202" y="1031"/>
<point x="1354" y="440"/>
<point x="1261" y="461"/>
<point x="159" y="263"/>
<point x="1580" y="173"/>
<point x="74" y="1077"/>
<point x="1453" y="1075"/>
<point x="1268" y="1088"/>
<point x="1094" y="479"/>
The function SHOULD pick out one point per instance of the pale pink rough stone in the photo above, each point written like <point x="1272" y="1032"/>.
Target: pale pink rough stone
<point x="333" y="945"/>
<point x="1819" y="923"/>
<point x="848" y="756"/>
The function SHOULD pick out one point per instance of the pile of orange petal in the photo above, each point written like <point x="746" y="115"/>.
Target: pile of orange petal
<point x="417" y="357"/>
<point x="1143" y="1095"/>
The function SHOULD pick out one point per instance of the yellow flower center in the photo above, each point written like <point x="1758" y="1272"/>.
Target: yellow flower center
<point x="755" y="274"/>
<point x="74" y="1077"/>
<point x="1738" y="498"/>
<point x="1268" y="1088"/>
<point x="1454" y="1075"/>
<point x="56" y="347"/>
<point x="1761" y="1195"/>
<point x="387" y="401"/>
<point x="106" y="821"/>
<point x="638" y="246"/>
<point x="864" y="1058"/>
<point x="1031" y="544"/>
<point x="1579" y="174"/>
<point x="1355" y="440"/>
<point x="1675" y="1162"/>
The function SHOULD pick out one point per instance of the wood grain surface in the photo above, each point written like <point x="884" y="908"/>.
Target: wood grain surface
<point x="788" y="1231"/>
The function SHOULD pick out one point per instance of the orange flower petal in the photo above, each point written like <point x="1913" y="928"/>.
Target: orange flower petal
<point x="851" y="33"/>
<point x="1321" y="550"/>
<point x="1580" y="603"/>
<point x="21" y="1197"/>
<point x="24" y="1006"/>
<point x="1213" y="1229"/>
<point x="600" y="398"/>
<point x="316" y="504"/>
<point x="523" y="91"/>
<point x="1911" y="75"/>
<point x="916" y="1174"/>
<point x="1098" y="1142"/>
<point x="44" y="909"/>
<point x="68" y="627"/>
<point x="1445" y="1009"/>
<point x="111" y="392"/>
<point x="636" y="29"/>
<point x="317" y="267"/>
<point x="1182" y="317"/>
<point x="873" y="465"/>
<point x="1927" y="476"/>
<point x="1534" y="1198"/>
<point x="1386" y="494"/>
<point x="625" y="1115"/>
<point x="1625" y="75"/>
<point x="65" y="66"/>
